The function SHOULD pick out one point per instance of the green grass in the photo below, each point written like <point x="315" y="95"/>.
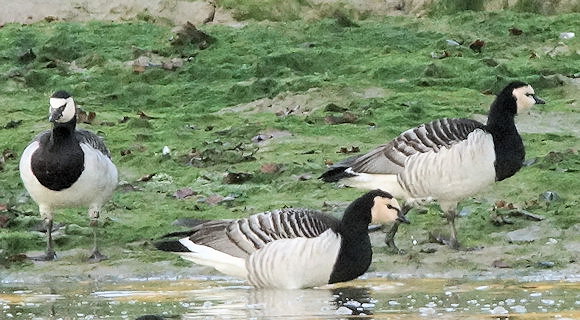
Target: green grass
<point x="263" y="60"/>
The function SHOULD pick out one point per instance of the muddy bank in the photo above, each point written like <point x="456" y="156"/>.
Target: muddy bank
<point x="197" y="12"/>
<point x="175" y="12"/>
<point x="421" y="260"/>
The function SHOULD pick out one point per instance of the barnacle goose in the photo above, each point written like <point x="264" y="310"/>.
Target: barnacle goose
<point x="445" y="160"/>
<point x="67" y="167"/>
<point x="290" y="248"/>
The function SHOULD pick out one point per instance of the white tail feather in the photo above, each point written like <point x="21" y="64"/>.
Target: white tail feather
<point x="370" y="181"/>
<point x="207" y="256"/>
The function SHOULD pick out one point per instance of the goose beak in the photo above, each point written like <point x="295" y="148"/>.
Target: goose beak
<point x="539" y="100"/>
<point x="53" y="117"/>
<point x="56" y="113"/>
<point x="402" y="218"/>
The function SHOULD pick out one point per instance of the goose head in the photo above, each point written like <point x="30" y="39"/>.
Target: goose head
<point x="385" y="208"/>
<point x="62" y="107"/>
<point x="518" y="97"/>
<point x="525" y="98"/>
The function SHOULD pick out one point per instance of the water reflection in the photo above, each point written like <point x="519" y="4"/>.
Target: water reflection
<point x="353" y="300"/>
<point x="288" y="304"/>
<point x="224" y="298"/>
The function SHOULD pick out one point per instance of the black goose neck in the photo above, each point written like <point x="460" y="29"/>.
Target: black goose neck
<point x="508" y="145"/>
<point x="65" y="127"/>
<point x="357" y="216"/>
<point x="63" y="131"/>
<point x="501" y="114"/>
<point x="355" y="253"/>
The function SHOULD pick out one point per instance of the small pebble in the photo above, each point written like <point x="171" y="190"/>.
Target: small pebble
<point x="343" y="310"/>
<point x="549" y="196"/>
<point x="352" y="303"/>
<point x="548" y="302"/>
<point x="499" y="310"/>
<point x="546" y="264"/>
<point x="166" y="151"/>
<point x="519" y="309"/>
<point x="427" y="311"/>
<point x="465" y="212"/>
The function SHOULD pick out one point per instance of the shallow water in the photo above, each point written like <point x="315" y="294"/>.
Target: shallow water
<point x="224" y="298"/>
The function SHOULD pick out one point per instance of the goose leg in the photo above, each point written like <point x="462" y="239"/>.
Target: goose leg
<point x="96" y="255"/>
<point x="450" y="210"/>
<point x="49" y="254"/>
<point x="390" y="238"/>
<point x="453" y="242"/>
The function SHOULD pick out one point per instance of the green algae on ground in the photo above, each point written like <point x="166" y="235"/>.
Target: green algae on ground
<point x="266" y="60"/>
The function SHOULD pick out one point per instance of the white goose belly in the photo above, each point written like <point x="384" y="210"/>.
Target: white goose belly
<point x="94" y="187"/>
<point x="453" y="173"/>
<point x="294" y="263"/>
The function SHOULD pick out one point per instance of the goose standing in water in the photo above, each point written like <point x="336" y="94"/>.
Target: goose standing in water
<point x="290" y="248"/>
<point x="67" y="167"/>
<point x="445" y="160"/>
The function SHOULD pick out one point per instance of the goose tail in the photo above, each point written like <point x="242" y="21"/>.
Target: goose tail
<point x="170" y="246"/>
<point x="335" y="174"/>
<point x="339" y="171"/>
<point x="170" y="242"/>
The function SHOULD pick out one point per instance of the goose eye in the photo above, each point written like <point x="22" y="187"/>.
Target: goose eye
<point x="529" y="94"/>
<point x="390" y="206"/>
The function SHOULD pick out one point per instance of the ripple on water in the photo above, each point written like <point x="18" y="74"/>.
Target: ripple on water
<point x="192" y="299"/>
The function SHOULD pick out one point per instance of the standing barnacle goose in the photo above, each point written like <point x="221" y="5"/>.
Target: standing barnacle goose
<point x="445" y="160"/>
<point x="290" y="248"/>
<point x="67" y="167"/>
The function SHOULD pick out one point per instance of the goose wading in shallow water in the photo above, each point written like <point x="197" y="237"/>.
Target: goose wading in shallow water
<point x="67" y="167"/>
<point x="445" y="160"/>
<point x="290" y="248"/>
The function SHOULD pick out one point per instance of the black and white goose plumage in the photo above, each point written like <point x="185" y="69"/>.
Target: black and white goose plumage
<point x="445" y="160"/>
<point x="67" y="167"/>
<point x="290" y="248"/>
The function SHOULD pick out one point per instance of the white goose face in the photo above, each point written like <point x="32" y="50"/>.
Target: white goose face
<point x="61" y="109"/>
<point x="386" y="210"/>
<point x="525" y="98"/>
